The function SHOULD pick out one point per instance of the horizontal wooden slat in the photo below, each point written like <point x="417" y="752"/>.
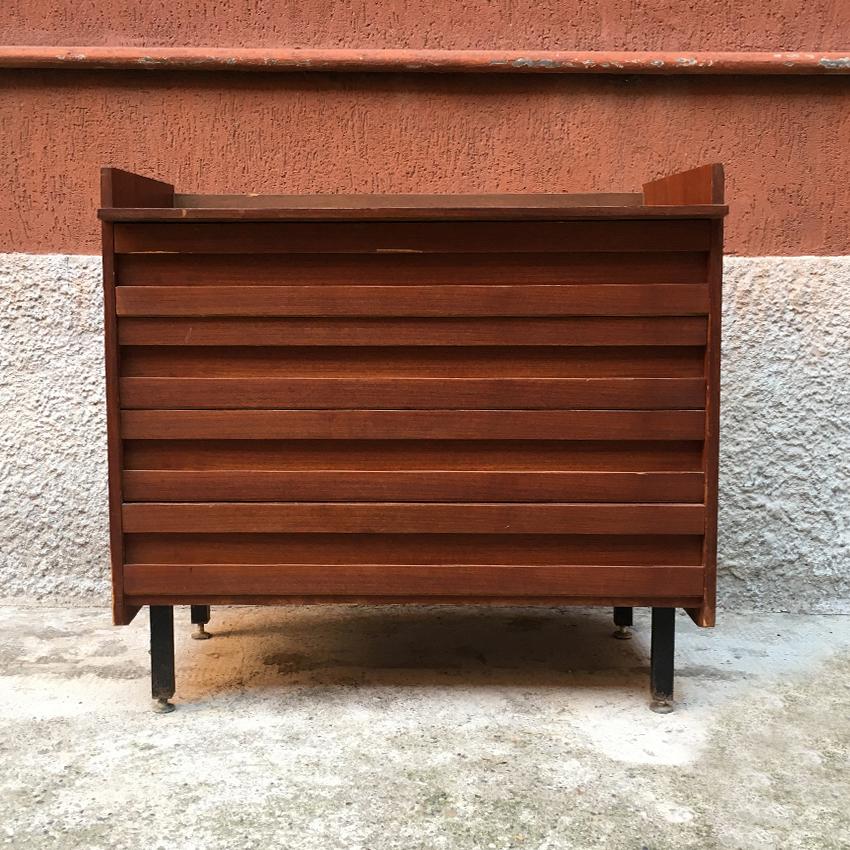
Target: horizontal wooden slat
<point x="608" y="601"/>
<point x="412" y="362"/>
<point x="521" y="300"/>
<point x="625" y="331"/>
<point x="414" y="425"/>
<point x="415" y="486"/>
<point x="405" y="579"/>
<point x="416" y="455"/>
<point x="364" y="237"/>
<point x="548" y="267"/>
<point x="414" y="393"/>
<point x="552" y="549"/>
<point x="414" y="518"/>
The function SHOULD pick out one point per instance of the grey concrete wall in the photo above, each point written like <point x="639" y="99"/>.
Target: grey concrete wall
<point x="785" y="457"/>
<point x="785" y="434"/>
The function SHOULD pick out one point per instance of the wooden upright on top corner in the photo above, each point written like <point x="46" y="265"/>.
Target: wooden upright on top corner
<point x="703" y="185"/>
<point x="413" y="398"/>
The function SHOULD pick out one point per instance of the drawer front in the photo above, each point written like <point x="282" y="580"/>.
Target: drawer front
<point x="507" y="409"/>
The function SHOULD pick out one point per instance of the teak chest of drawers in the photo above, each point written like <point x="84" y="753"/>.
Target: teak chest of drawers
<point x="504" y="399"/>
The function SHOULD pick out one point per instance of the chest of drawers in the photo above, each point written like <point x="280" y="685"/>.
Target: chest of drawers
<point x="463" y="399"/>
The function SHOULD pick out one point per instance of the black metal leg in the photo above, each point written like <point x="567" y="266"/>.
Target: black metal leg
<point x="162" y="657"/>
<point x="661" y="662"/>
<point x="200" y="617"/>
<point x="623" y="621"/>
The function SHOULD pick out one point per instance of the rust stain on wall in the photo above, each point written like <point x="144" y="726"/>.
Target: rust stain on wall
<point x="783" y="142"/>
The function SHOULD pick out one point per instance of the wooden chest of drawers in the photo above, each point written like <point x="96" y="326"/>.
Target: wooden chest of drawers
<point x="489" y="399"/>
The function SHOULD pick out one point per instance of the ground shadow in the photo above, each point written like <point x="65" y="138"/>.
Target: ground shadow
<point x="414" y="646"/>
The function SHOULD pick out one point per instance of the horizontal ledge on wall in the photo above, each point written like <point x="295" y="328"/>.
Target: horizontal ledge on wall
<point x="423" y="61"/>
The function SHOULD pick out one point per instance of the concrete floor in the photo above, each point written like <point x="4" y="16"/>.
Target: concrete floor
<point x="423" y="728"/>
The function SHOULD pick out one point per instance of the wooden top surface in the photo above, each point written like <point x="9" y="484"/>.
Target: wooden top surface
<point x="410" y="208"/>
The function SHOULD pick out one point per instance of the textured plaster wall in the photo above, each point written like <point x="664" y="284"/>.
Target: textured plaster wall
<point x="785" y="473"/>
<point x="53" y="524"/>
<point x="785" y="434"/>
<point x="544" y="24"/>
<point x="783" y="142"/>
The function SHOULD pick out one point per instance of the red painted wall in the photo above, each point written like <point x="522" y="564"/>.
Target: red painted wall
<point x="784" y="140"/>
<point x="508" y="24"/>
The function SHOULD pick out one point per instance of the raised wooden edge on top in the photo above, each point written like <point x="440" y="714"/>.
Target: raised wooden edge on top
<point x="366" y="212"/>
<point x="697" y="193"/>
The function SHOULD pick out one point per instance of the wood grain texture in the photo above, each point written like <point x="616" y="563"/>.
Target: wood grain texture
<point x="434" y="408"/>
<point x="516" y="206"/>
<point x="402" y="269"/>
<point x="407" y="579"/>
<point x="703" y="185"/>
<point x="396" y="455"/>
<point x="413" y="425"/>
<point x="535" y="332"/>
<point x="409" y="599"/>
<point x="145" y="220"/>
<point x="421" y="237"/>
<point x="413" y="362"/>
<point x="414" y="518"/>
<point x="121" y="613"/>
<point x="424" y="549"/>
<point x="416" y="485"/>
<point x="123" y="189"/>
<point x="659" y="212"/>
<point x="119" y="188"/>
<point x="414" y="393"/>
<point x="205" y="598"/>
<point x="705" y="614"/>
<point x="438" y="301"/>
